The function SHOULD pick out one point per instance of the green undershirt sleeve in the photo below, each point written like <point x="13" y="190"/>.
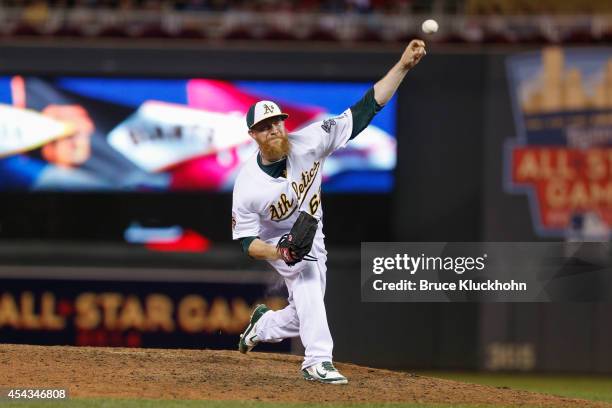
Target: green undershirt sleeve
<point x="246" y="243"/>
<point x="363" y="112"/>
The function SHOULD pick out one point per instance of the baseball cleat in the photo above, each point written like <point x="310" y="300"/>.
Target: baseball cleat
<point x="248" y="338"/>
<point x="324" y="372"/>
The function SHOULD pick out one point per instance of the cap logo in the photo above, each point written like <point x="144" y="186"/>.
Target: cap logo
<point x="268" y="109"/>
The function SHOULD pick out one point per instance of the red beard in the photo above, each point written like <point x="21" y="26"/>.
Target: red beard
<point x="275" y="149"/>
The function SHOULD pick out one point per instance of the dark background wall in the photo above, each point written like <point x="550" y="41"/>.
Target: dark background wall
<point x="437" y="194"/>
<point x="505" y="217"/>
<point x="545" y="337"/>
<point x="437" y="197"/>
<point x="454" y="115"/>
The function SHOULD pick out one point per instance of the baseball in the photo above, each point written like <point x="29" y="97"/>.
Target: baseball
<point x="429" y="26"/>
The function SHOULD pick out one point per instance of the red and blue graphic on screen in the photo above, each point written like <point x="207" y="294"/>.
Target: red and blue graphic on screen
<point x="174" y="134"/>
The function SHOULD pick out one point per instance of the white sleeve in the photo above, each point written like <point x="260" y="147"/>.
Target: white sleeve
<point x="245" y="222"/>
<point x="330" y="134"/>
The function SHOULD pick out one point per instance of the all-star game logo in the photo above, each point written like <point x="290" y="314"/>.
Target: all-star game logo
<point x="562" y="155"/>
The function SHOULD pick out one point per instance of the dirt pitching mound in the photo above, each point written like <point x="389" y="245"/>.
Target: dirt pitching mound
<point x="229" y="375"/>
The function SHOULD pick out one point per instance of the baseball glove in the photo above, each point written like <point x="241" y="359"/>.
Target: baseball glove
<point x="295" y="246"/>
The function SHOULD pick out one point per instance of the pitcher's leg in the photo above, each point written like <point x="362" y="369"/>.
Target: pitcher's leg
<point x="274" y="326"/>
<point x="308" y="293"/>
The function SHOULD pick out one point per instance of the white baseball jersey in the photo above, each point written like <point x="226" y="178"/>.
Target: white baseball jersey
<point x="267" y="207"/>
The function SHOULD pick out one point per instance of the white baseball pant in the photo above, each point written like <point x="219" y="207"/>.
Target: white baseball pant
<point x="305" y="316"/>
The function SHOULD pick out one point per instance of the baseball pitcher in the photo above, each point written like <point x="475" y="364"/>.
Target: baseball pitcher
<point x="277" y="215"/>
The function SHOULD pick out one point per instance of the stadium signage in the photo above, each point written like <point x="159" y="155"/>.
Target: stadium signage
<point x="164" y="315"/>
<point x="562" y="155"/>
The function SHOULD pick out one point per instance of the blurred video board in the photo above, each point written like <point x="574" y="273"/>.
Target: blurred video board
<point x="148" y="135"/>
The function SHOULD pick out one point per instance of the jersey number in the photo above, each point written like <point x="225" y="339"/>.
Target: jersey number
<point x="315" y="201"/>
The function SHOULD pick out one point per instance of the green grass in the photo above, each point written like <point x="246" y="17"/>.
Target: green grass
<point x="597" y="388"/>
